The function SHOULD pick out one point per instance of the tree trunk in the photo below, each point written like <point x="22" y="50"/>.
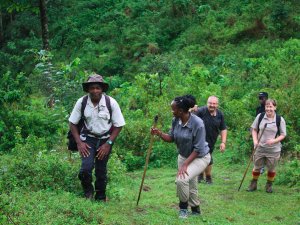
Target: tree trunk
<point x="44" y="24"/>
<point x="1" y="30"/>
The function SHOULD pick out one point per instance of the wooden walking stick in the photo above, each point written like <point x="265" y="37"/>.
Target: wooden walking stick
<point x="147" y="159"/>
<point x="254" y="150"/>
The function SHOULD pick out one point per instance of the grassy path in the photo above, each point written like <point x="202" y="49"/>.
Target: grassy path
<point x="221" y="203"/>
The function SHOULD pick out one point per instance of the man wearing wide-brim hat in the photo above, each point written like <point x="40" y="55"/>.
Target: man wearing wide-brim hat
<point x="103" y="121"/>
<point x="95" y="79"/>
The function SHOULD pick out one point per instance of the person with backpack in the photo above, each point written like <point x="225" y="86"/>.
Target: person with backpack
<point x="262" y="97"/>
<point x="188" y="133"/>
<point x="102" y="122"/>
<point x="270" y="129"/>
<point x="214" y="123"/>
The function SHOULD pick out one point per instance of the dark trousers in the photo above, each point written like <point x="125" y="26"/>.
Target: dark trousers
<point x="87" y="166"/>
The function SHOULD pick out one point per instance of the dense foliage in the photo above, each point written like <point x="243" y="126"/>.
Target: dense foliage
<point x="149" y="52"/>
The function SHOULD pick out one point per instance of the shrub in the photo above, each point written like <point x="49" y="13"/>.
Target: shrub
<point x="289" y="173"/>
<point x="116" y="176"/>
<point x="31" y="166"/>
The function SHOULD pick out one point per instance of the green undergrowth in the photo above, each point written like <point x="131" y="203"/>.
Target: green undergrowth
<point x="221" y="202"/>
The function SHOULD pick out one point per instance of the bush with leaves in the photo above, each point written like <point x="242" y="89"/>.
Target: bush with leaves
<point x="31" y="166"/>
<point x="289" y="173"/>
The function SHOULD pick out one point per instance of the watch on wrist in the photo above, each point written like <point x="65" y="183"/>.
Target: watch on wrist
<point x="110" y="142"/>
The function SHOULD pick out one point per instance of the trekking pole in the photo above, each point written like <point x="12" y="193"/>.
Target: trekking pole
<point x="147" y="159"/>
<point x="254" y="150"/>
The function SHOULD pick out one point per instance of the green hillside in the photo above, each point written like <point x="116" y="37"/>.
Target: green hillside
<point x="149" y="52"/>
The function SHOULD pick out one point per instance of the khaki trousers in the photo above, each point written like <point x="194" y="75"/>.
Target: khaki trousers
<point x="187" y="188"/>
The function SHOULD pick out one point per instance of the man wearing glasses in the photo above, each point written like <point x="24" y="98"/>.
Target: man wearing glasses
<point x="214" y="123"/>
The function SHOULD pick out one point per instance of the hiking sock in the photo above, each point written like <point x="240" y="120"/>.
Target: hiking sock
<point x="183" y="205"/>
<point x="208" y="179"/>
<point x="255" y="175"/>
<point x="270" y="179"/>
<point x="271" y="176"/>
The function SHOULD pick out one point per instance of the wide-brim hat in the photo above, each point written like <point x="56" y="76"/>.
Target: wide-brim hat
<point x="95" y="79"/>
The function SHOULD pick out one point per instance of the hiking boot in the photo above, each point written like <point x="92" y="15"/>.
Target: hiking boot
<point x="100" y="197"/>
<point x="200" y="178"/>
<point x="252" y="186"/>
<point x="89" y="195"/>
<point x="208" y="180"/>
<point x="183" y="214"/>
<point x="195" y="211"/>
<point x="269" y="187"/>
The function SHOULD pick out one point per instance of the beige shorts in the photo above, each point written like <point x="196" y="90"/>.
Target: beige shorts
<point x="270" y="160"/>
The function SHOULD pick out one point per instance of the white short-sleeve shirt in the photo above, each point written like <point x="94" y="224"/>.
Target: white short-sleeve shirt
<point x="97" y="117"/>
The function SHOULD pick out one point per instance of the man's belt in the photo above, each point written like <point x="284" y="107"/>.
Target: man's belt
<point x="98" y="136"/>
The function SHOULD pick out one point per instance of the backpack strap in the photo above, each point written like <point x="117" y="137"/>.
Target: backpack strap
<point x="278" y="120"/>
<point x="261" y="116"/>
<point x="83" y="105"/>
<point x="108" y="105"/>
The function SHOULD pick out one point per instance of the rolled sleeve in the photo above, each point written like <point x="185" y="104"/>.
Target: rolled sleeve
<point x="255" y="123"/>
<point x="199" y="140"/>
<point x="76" y="112"/>
<point x="117" y="116"/>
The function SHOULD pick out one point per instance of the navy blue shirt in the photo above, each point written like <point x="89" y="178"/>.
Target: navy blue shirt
<point x="189" y="137"/>
<point x="260" y="109"/>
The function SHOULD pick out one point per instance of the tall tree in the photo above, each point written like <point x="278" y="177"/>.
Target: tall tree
<point x="1" y="28"/>
<point x="44" y="24"/>
<point x="12" y="6"/>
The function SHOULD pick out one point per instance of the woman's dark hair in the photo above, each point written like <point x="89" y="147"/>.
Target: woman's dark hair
<point x="185" y="102"/>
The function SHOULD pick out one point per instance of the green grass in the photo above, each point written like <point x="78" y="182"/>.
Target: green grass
<point x="221" y="203"/>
